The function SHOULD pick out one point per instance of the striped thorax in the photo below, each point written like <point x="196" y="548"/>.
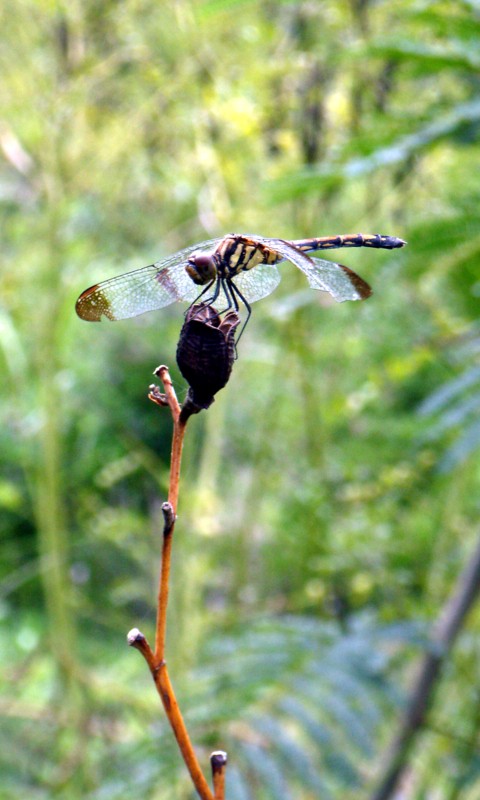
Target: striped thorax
<point x="233" y="255"/>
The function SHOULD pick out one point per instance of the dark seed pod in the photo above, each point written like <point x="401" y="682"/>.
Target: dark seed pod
<point x="205" y="353"/>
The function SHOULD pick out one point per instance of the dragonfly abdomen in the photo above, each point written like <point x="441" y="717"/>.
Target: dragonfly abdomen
<point x="376" y="240"/>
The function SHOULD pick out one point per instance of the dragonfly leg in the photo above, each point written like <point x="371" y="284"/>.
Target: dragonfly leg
<point x="228" y="287"/>
<point x="209" y="302"/>
<point x="225" y="285"/>
<point x="214" y="296"/>
<point x="235" y="292"/>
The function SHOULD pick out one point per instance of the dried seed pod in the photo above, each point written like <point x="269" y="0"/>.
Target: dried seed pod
<point x="206" y="352"/>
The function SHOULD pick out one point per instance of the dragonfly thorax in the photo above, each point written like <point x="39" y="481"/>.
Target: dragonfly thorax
<point x="201" y="268"/>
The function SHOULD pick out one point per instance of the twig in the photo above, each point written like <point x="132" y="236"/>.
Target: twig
<point x="445" y="631"/>
<point x="164" y="688"/>
<point x="156" y="659"/>
<point x="218" y="760"/>
<point x="163" y="585"/>
<point x="179" y="426"/>
<point x="164" y="375"/>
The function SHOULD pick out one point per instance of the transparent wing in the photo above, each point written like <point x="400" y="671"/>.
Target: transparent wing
<point x="145" y="289"/>
<point x="257" y="282"/>
<point x="339" y="281"/>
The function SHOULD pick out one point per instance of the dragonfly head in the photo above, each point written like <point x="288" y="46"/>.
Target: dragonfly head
<point x="201" y="268"/>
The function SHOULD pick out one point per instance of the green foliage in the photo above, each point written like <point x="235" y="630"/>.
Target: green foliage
<point x="336" y="478"/>
<point x="297" y="701"/>
<point x="300" y="701"/>
<point x="454" y="406"/>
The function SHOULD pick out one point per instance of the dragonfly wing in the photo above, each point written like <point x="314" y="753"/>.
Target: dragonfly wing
<point x="339" y="281"/>
<point x="145" y="289"/>
<point x="258" y="282"/>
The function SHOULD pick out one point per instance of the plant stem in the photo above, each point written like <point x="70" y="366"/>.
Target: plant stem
<point x="218" y="760"/>
<point x="167" y="695"/>
<point x="179" y="426"/>
<point x="447" y="628"/>
<point x="156" y="660"/>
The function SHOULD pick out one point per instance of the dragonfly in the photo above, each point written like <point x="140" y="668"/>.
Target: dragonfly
<point x="229" y="270"/>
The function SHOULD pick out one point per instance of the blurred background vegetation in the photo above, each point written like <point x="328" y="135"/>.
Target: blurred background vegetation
<point x="330" y="497"/>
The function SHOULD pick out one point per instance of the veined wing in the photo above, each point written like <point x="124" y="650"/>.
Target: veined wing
<point x="339" y="281"/>
<point x="258" y="282"/>
<point x="144" y="289"/>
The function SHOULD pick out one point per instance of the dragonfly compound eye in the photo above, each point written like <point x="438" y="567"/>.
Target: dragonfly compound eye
<point x="201" y="268"/>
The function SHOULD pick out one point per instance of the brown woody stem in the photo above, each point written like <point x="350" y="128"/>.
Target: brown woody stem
<point x="218" y="760"/>
<point x="445" y="631"/>
<point x="169" y="518"/>
<point x="156" y="659"/>
<point x="165" y="689"/>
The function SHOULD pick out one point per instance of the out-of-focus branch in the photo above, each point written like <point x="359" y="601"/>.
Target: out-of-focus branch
<point x="445" y="631"/>
<point x="14" y="151"/>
